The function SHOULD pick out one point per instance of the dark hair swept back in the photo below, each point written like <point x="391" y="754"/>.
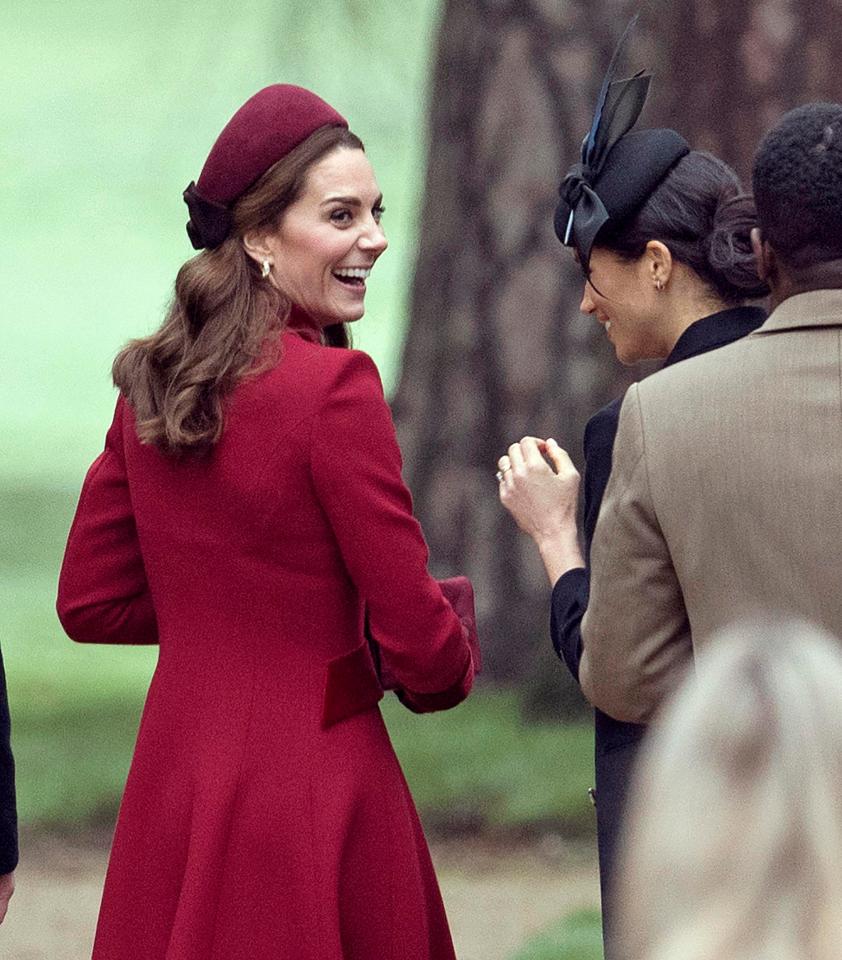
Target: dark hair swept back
<point x="702" y="214"/>
<point x="221" y="318"/>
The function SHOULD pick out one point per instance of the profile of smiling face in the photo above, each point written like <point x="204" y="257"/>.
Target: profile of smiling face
<point x="323" y="248"/>
<point x="627" y="297"/>
<point x="684" y="255"/>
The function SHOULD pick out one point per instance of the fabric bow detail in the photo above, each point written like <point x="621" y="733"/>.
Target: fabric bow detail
<point x="210" y="222"/>
<point x="570" y="190"/>
<point x="576" y="191"/>
<point x="581" y="213"/>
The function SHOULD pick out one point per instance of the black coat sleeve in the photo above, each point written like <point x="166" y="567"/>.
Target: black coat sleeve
<point x="8" y="810"/>
<point x="567" y="607"/>
<point x="571" y="591"/>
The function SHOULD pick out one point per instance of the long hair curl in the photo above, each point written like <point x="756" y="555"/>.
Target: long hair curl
<point x="224" y="320"/>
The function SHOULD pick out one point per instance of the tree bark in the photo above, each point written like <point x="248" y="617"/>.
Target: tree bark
<point x="496" y="348"/>
<point x="731" y="69"/>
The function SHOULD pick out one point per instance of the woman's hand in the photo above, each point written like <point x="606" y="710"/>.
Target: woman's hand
<point x="543" y="499"/>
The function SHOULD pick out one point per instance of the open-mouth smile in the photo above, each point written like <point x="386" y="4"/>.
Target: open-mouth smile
<point x="353" y="276"/>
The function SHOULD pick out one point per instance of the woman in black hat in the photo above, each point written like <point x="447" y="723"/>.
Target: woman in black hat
<point x="661" y="233"/>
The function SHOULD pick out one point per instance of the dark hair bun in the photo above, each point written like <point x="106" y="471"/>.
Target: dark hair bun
<point x="728" y="247"/>
<point x="702" y="214"/>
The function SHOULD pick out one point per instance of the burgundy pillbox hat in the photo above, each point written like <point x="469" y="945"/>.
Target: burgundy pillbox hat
<point x="265" y="128"/>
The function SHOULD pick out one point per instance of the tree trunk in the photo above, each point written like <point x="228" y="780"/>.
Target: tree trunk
<point x="496" y="348"/>
<point x="730" y="69"/>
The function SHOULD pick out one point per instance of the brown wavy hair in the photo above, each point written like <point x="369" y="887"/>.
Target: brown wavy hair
<point x="222" y="320"/>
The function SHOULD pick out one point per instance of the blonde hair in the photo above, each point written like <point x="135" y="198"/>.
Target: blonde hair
<point x="733" y="844"/>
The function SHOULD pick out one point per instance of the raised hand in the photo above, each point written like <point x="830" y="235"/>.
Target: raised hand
<point x="539" y="486"/>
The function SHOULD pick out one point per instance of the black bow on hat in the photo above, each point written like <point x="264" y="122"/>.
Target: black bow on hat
<point x="209" y="223"/>
<point x="608" y="184"/>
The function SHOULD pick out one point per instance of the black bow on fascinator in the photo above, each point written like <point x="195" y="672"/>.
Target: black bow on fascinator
<point x="209" y="222"/>
<point x="618" y="170"/>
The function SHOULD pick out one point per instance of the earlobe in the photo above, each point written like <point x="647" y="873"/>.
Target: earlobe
<point x="659" y="263"/>
<point x="254" y="243"/>
<point x="764" y="255"/>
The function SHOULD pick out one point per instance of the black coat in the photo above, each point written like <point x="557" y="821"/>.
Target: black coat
<point x="616" y="743"/>
<point x="8" y="811"/>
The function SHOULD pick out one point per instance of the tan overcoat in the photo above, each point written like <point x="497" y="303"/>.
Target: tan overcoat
<point x="725" y="502"/>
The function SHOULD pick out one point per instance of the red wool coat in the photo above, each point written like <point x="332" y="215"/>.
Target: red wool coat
<point x="265" y="815"/>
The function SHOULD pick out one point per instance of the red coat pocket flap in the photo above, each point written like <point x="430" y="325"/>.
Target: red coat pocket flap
<point x="351" y="686"/>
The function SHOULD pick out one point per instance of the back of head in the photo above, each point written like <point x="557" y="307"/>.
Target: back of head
<point x="797" y="181"/>
<point x="734" y="835"/>
<point x="700" y="211"/>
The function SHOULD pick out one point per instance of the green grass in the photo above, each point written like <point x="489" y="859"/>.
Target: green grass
<point x="576" y="937"/>
<point x="109" y="110"/>
<point x="480" y="767"/>
<point x="75" y="712"/>
<point x="74" y="709"/>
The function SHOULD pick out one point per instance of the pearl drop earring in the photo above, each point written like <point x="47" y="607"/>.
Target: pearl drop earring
<point x="265" y="269"/>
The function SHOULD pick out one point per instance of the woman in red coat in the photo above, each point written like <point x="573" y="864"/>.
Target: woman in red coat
<point x="248" y="515"/>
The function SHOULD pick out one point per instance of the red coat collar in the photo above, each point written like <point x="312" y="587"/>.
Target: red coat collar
<point x="303" y="325"/>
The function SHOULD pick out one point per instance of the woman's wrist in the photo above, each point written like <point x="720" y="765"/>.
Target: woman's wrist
<point x="560" y="551"/>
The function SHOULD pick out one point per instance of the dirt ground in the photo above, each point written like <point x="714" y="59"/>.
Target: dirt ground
<point x="497" y="896"/>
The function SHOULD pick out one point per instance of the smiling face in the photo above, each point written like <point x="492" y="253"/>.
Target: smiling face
<point x="622" y="296"/>
<point x="329" y="239"/>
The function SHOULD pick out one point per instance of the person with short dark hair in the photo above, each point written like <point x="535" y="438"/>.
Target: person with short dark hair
<point x="667" y="274"/>
<point x="798" y="189"/>
<point x="723" y="501"/>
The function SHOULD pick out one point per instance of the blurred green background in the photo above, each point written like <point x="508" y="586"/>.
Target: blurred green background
<point x="109" y="109"/>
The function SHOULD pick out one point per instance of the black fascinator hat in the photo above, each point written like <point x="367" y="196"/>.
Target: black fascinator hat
<point x="618" y="170"/>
